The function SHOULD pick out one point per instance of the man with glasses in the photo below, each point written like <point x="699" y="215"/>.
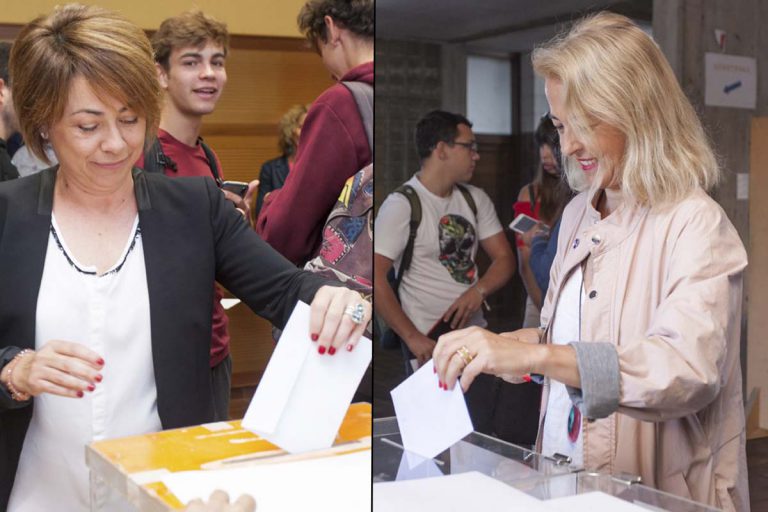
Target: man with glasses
<point x="441" y="289"/>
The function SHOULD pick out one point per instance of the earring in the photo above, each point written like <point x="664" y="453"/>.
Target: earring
<point x="44" y="135"/>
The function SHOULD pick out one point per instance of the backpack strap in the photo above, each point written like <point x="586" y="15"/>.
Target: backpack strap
<point x="468" y="197"/>
<point x="363" y="94"/>
<point x="413" y="199"/>
<point x="155" y="159"/>
<point x="212" y="163"/>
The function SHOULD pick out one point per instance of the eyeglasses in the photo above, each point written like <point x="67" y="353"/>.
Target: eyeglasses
<point x="472" y="146"/>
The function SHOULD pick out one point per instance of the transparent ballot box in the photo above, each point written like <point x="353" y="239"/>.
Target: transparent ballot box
<point x="624" y="487"/>
<point x="476" y="452"/>
<point x="549" y="479"/>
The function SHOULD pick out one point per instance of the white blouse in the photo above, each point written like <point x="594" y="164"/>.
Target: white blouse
<point x="565" y="329"/>
<point x="109" y="314"/>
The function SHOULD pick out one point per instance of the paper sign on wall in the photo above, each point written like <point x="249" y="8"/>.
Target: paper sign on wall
<point x="731" y="81"/>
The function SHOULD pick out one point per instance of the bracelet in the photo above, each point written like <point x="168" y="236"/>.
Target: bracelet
<point x="481" y="291"/>
<point x="15" y="393"/>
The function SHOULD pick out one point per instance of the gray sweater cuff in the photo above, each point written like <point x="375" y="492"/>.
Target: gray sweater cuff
<point x="599" y="371"/>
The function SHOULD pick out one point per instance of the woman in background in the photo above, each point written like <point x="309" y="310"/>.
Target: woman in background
<point x="274" y="172"/>
<point x="544" y="200"/>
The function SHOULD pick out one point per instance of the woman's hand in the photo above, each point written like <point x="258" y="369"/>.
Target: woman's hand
<point x="509" y="356"/>
<point x="61" y="368"/>
<point x="338" y="318"/>
<point x="219" y="502"/>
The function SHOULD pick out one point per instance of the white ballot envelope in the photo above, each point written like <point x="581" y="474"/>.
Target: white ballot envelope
<point x="430" y="419"/>
<point x="303" y="396"/>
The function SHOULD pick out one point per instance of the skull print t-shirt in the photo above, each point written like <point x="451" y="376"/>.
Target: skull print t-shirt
<point x="443" y="264"/>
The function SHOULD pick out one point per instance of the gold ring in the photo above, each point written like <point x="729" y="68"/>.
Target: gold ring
<point x="463" y="353"/>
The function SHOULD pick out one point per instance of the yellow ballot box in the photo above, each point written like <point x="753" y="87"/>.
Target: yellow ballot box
<point x="135" y="465"/>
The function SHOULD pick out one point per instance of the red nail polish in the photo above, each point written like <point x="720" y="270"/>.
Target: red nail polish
<point x="526" y="378"/>
<point x="91" y="387"/>
<point x="321" y="349"/>
<point x="314" y="337"/>
<point x="100" y="362"/>
<point x="80" y="394"/>
<point x="98" y="378"/>
<point x="331" y="351"/>
<point x="350" y="347"/>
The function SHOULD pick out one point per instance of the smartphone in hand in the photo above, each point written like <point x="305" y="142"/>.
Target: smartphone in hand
<point x="236" y="187"/>
<point x="524" y="223"/>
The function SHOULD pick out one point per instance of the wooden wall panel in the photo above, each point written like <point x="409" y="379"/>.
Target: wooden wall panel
<point x="757" y="277"/>
<point x="262" y="84"/>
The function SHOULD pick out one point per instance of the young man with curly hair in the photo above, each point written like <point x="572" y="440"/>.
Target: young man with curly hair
<point x="333" y="144"/>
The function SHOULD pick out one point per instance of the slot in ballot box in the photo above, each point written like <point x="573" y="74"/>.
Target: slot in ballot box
<point x="624" y="487"/>
<point x="476" y="452"/>
<point x="135" y="465"/>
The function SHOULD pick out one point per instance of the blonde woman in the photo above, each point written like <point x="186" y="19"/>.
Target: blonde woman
<point x="640" y="352"/>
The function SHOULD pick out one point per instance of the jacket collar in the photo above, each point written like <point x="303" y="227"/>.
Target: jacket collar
<point x="48" y="183"/>
<point x="613" y="229"/>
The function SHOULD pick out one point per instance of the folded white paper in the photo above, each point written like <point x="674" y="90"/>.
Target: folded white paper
<point x="303" y="396"/>
<point x="430" y="419"/>
<point x="463" y="492"/>
<point x="337" y="483"/>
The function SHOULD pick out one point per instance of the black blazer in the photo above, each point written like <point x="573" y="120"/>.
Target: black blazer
<point x="191" y="236"/>
<point x="272" y="177"/>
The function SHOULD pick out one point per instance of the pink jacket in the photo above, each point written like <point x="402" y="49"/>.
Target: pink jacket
<point x="665" y="289"/>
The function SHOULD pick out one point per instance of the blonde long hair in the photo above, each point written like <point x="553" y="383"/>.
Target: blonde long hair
<point x="614" y="73"/>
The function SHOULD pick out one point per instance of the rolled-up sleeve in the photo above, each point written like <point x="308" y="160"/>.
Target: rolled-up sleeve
<point x="598" y="365"/>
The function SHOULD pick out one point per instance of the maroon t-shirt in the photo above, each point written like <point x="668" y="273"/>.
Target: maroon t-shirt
<point x="191" y="161"/>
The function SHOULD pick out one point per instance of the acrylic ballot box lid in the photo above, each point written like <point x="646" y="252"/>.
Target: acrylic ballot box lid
<point x="476" y="452"/>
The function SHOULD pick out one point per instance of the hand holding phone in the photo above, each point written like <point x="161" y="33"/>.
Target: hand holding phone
<point x="524" y="223"/>
<point x="236" y="187"/>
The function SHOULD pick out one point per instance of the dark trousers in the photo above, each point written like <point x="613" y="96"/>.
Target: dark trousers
<point x="221" y="383"/>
